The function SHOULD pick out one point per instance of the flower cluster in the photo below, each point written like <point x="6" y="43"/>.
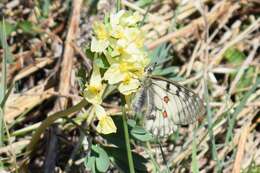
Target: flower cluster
<point x="120" y="42"/>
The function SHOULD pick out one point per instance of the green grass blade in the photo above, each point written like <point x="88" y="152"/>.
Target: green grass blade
<point x="4" y="62"/>
<point x="194" y="163"/>
<point x="213" y="147"/>
<point x="3" y="79"/>
<point x="239" y="108"/>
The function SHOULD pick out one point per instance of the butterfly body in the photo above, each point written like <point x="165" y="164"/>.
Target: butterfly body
<point x="165" y="103"/>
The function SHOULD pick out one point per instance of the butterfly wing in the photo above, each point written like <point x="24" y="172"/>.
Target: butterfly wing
<point x="167" y="102"/>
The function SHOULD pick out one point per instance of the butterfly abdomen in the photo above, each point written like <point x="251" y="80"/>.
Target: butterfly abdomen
<point x="139" y="102"/>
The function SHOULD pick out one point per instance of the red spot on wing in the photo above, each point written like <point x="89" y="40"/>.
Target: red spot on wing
<point x="166" y="99"/>
<point x="200" y="119"/>
<point x="165" y="114"/>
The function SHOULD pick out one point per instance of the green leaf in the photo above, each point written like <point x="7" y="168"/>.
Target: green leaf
<point x="174" y="136"/>
<point x="118" y="156"/>
<point x="144" y="137"/>
<point x="143" y="3"/>
<point x="141" y="134"/>
<point x="90" y="163"/>
<point x="235" y="56"/>
<point x="81" y="77"/>
<point x="177" y="78"/>
<point x="168" y="71"/>
<point x="131" y="123"/>
<point x="252" y="168"/>
<point x="88" y="53"/>
<point x="5" y="30"/>
<point x="45" y="7"/>
<point x="160" y="54"/>
<point x="98" y="161"/>
<point x="247" y="79"/>
<point x="138" y="130"/>
<point x="102" y="161"/>
<point x="116" y="153"/>
<point x="9" y="28"/>
<point x="28" y="27"/>
<point x="101" y="62"/>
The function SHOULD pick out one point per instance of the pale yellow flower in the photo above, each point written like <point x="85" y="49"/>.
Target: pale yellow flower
<point x="131" y="19"/>
<point x="98" y="45"/>
<point x="126" y="74"/>
<point x="115" y="18"/>
<point x="122" y="43"/>
<point x="94" y="90"/>
<point x="105" y="124"/>
<point x="100" y="30"/>
<point x="114" y="74"/>
<point x="117" y="31"/>
<point x="125" y="18"/>
<point x="134" y="35"/>
<point x="101" y="41"/>
<point x="129" y="85"/>
<point x="125" y="54"/>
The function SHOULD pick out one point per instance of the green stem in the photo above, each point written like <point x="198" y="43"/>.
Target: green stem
<point x="127" y="141"/>
<point x="49" y="120"/>
<point x="3" y="80"/>
<point x="118" y="5"/>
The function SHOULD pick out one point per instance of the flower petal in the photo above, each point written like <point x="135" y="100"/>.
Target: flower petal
<point x="106" y="125"/>
<point x="100" y="31"/>
<point x="113" y="75"/>
<point x="115" y="18"/>
<point x="100" y="111"/>
<point x="92" y="95"/>
<point x="95" y="79"/>
<point x="98" y="45"/>
<point x="129" y="86"/>
<point x="94" y="90"/>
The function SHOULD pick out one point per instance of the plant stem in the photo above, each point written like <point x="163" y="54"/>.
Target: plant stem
<point x="52" y="118"/>
<point x="127" y="141"/>
<point x="118" y="5"/>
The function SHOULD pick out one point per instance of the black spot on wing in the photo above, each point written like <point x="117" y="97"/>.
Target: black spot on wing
<point x="168" y="86"/>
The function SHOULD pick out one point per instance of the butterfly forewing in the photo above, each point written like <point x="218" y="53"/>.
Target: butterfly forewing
<point x="164" y="102"/>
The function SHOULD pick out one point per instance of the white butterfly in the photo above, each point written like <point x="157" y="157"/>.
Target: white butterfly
<point x="164" y="102"/>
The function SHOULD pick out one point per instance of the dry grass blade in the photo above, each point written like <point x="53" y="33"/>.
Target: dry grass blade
<point x="67" y="62"/>
<point x="241" y="148"/>
<point x="192" y="27"/>
<point x="17" y="104"/>
<point x="41" y="63"/>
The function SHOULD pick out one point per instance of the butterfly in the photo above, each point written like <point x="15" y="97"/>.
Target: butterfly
<point x="164" y="102"/>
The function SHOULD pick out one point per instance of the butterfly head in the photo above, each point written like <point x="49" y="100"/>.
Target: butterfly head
<point x="150" y="68"/>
